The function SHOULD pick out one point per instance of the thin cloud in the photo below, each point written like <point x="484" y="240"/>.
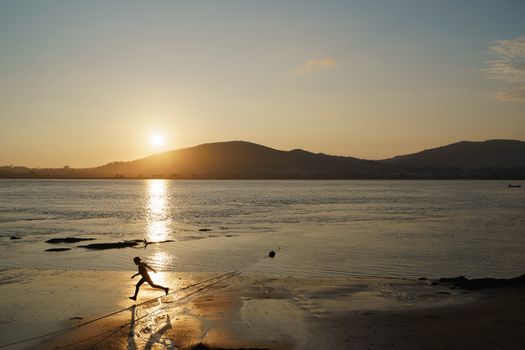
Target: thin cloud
<point x="315" y="65"/>
<point x="510" y="62"/>
<point x="509" y="66"/>
<point x="517" y="95"/>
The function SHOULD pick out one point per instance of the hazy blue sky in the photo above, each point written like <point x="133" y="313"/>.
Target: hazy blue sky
<point x="87" y="82"/>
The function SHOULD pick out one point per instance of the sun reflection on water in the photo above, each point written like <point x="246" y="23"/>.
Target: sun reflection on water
<point x="158" y="225"/>
<point x="157" y="216"/>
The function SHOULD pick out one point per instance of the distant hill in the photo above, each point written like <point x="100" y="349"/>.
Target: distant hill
<point x="239" y="159"/>
<point x="467" y="154"/>
<point x="493" y="159"/>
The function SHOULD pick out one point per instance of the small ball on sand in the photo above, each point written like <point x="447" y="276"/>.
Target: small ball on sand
<point x="271" y="254"/>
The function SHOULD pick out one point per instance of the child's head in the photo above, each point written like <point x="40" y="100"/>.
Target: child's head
<point x="136" y="260"/>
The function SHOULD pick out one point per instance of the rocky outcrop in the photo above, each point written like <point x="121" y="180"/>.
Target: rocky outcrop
<point x="484" y="283"/>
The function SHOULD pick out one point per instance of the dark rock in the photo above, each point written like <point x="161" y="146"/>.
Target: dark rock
<point x="271" y="254"/>
<point x="484" y="283"/>
<point x="68" y="240"/>
<point x="158" y="242"/>
<point x="116" y="245"/>
<point x="460" y="279"/>
<point x="204" y="229"/>
<point x="124" y="244"/>
<point x="57" y="249"/>
<point x="422" y="279"/>
<point x="14" y="237"/>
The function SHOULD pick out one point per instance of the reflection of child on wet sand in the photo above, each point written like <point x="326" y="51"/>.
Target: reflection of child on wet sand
<point x="145" y="277"/>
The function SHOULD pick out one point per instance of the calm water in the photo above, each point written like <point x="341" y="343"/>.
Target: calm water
<point x="317" y="228"/>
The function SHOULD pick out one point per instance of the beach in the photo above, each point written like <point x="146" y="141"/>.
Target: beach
<point x="239" y="310"/>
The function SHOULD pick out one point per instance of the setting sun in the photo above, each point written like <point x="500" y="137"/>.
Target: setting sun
<point x="157" y="140"/>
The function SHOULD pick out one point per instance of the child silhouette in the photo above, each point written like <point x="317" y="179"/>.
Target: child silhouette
<point x="145" y="277"/>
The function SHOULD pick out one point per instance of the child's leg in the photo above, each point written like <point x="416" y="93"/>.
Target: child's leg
<point x="153" y="285"/>
<point x="157" y="286"/>
<point x="139" y="283"/>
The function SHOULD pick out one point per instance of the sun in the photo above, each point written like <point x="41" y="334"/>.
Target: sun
<point x="157" y="140"/>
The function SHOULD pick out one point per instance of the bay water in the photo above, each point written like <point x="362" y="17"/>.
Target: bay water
<point x="316" y="228"/>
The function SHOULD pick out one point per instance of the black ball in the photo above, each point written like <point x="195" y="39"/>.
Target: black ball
<point x="271" y="254"/>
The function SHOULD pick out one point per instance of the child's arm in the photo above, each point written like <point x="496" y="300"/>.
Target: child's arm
<point x="150" y="268"/>
<point x="135" y="275"/>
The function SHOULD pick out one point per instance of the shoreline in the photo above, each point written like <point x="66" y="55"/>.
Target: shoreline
<point x="267" y="312"/>
<point x="501" y="179"/>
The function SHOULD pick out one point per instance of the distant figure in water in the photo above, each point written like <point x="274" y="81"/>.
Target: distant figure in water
<point x="145" y="277"/>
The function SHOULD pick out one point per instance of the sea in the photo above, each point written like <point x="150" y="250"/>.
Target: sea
<point x="318" y="228"/>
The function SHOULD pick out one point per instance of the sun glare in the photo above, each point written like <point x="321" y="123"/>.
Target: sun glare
<point x="157" y="140"/>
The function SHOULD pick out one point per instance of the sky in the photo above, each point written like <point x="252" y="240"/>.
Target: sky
<point x="83" y="83"/>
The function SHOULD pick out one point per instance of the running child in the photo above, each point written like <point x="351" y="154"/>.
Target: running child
<point x="145" y="277"/>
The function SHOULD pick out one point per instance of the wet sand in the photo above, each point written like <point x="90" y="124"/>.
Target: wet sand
<point x="258" y="312"/>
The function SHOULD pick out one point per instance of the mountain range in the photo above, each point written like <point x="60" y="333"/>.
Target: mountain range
<point x="492" y="159"/>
